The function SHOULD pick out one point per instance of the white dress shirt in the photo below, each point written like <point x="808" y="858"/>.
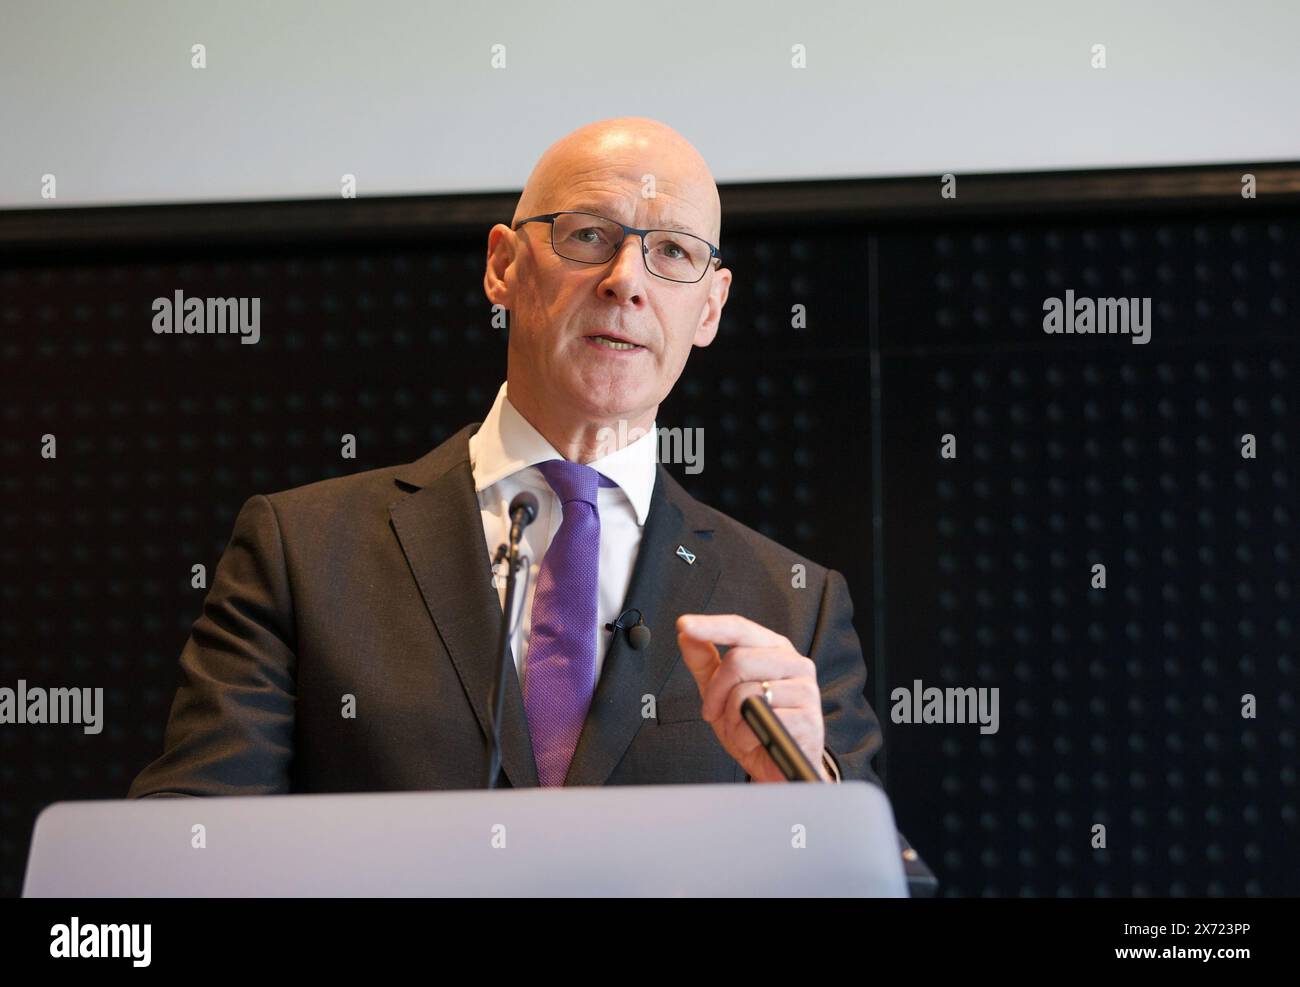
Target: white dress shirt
<point x="503" y="455"/>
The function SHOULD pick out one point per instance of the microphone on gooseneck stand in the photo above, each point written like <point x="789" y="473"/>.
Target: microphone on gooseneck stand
<point x="523" y="512"/>
<point x="638" y="635"/>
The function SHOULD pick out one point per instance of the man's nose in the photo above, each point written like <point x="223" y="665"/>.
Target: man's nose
<point x="627" y="273"/>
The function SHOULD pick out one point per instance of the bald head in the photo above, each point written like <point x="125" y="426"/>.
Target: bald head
<point x="610" y="159"/>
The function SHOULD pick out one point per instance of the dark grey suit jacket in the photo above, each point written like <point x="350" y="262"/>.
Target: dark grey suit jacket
<point x="378" y="586"/>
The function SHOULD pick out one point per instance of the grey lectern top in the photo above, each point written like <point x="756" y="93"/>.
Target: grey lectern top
<point x="645" y="840"/>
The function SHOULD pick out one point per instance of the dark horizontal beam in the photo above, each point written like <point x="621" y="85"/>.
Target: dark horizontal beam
<point x="868" y="200"/>
<point x="882" y="200"/>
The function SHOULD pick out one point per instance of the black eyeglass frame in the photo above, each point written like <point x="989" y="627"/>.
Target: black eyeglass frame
<point x="715" y="257"/>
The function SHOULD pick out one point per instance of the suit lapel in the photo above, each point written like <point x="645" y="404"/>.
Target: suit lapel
<point x="441" y="533"/>
<point x="440" y="530"/>
<point x="663" y="586"/>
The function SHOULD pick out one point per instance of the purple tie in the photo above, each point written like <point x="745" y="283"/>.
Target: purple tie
<point x="560" y="674"/>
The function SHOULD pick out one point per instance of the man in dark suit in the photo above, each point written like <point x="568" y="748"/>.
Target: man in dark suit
<point x="349" y="639"/>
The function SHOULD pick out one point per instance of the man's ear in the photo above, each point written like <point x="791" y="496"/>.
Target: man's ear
<point x="500" y="255"/>
<point x="718" y="291"/>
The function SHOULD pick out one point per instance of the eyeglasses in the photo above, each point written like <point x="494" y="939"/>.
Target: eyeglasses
<point x="591" y="239"/>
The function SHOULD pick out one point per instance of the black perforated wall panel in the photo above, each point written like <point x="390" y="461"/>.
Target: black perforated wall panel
<point x="1119" y="707"/>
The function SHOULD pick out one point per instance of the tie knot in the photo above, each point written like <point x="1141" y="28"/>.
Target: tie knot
<point x="573" y="481"/>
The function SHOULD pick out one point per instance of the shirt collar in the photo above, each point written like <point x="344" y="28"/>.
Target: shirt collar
<point x="506" y="443"/>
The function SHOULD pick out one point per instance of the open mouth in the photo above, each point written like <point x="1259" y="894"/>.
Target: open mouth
<point x="610" y="342"/>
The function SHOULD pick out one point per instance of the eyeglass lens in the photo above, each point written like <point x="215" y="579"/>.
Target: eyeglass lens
<point x="592" y="240"/>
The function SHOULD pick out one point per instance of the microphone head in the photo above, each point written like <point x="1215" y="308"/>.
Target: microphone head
<point x="638" y="636"/>
<point x="528" y="502"/>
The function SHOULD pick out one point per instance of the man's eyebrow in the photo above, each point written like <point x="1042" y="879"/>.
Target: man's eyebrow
<point x="600" y="210"/>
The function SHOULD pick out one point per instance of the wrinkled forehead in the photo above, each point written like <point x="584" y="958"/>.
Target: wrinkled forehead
<point x="622" y="209"/>
<point x="631" y="183"/>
